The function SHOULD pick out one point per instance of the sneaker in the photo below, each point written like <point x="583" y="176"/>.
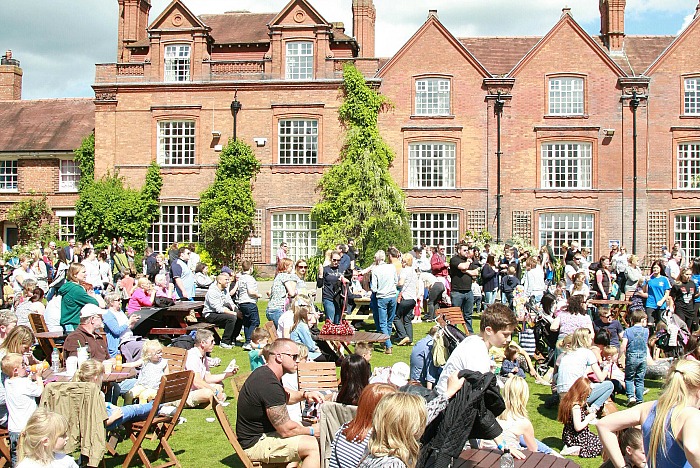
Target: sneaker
<point x="646" y="390"/>
<point x="631" y="402"/>
<point x="225" y="345"/>
<point x="573" y="450"/>
<point x="247" y="347"/>
<point x="167" y="410"/>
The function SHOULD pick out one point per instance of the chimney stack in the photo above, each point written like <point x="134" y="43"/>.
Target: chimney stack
<point x="432" y="13"/>
<point x="10" y="78"/>
<point x="363" y="20"/>
<point x="612" y="24"/>
<point x="133" y="25"/>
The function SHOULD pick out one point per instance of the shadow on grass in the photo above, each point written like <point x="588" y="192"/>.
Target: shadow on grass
<point x="233" y="461"/>
<point x="553" y="442"/>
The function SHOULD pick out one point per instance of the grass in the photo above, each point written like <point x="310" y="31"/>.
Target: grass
<point x="200" y="443"/>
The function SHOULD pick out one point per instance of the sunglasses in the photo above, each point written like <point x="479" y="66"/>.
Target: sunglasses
<point x="302" y="267"/>
<point x="293" y="356"/>
<point x="335" y="259"/>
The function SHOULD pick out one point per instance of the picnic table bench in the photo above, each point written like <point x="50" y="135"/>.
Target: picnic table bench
<point x="492" y="458"/>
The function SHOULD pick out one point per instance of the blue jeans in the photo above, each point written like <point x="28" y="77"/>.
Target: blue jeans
<point x="130" y="413"/>
<point x="274" y="315"/>
<point x="329" y="310"/>
<point x="635" y="370"/>
<point x="541" y="446"/>
<point x="489" y="297"/>
<point x="465" y="301"/>
<point x="600" y="392"/>
<point x="251" y="319"/>
<point x="14" y="438"/>
<point x="386" y="311"/>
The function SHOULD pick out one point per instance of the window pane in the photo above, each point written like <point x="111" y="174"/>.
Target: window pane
<point x="177" y="223"/>
<point x="8" y="174"/>
<point x="435" y="228"/>
<point x="297" y="230"/>
<point x="298" y="141"/>
<point x="566" y="165"/>
<point x="433" y="97"/>
<point x="687" y="234"/>
<point x="177" y="63"/>
<point x="431" y="165"/>
<point x="566" y="227"/>
<point x="566" y="96"/>
<point x="176" y="143"/>
<point x="692" y="88"/>
<point x="689" y="166"/>
<point x="300" y="60"/>
<point x="66" y="227"/>
<point x="69" y="175"/>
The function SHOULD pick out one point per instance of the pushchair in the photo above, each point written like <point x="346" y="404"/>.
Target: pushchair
<point x="545" y="338"/>
<point x="672" y="335"/>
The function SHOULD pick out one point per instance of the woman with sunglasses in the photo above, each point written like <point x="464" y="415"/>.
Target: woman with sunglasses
<point x="300" y="269"/>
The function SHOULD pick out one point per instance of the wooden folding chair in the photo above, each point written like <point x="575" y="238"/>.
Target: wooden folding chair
<point x="454" y="316"/>
<point x="176" y="358"/>
<point x="4" y="447"/>
<point x="237" y="382"/>
<point x="38" y="325"/>
<point x="271" y="329"/>
<point x="173" y="387"/>
<point x="317" y="376"/>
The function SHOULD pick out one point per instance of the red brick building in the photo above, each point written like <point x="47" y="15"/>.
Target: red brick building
<point x="36" y="149"/>
<point x="567" y="136"/>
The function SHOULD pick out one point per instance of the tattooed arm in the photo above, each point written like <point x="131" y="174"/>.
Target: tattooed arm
<point x="279" y="417"/>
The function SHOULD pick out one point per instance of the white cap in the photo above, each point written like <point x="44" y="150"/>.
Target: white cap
<point x="399" y="374"/>
<point x="89" y="310"/>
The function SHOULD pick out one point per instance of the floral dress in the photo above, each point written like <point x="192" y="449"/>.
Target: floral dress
<point x="589" y="442"/>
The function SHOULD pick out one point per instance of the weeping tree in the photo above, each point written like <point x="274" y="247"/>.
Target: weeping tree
<point x="359" y="199"/>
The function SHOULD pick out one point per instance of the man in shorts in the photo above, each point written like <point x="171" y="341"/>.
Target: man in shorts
<point x="263" y="426"/>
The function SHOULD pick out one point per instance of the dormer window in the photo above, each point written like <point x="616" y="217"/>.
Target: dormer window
<point x="566" y="96"/>
<point x="177" y="62"/>
<point x="300" y="61"/>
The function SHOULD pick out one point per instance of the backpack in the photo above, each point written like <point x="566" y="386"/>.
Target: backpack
<point x="183" y="341"/>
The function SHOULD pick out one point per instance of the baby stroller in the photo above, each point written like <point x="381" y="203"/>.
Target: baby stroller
<point x="672" y="335"/>
<point x="545" y="338"/>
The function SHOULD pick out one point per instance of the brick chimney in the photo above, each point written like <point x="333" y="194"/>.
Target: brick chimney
<point x="363" y="19"/>
<point x="10" y="78"/>
<point x="612" y="24"/>
<point x="133" y="24"/>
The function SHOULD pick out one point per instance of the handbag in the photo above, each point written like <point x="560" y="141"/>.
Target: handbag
<point x="343" y="328"/>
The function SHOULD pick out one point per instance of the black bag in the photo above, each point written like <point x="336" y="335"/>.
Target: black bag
<point x="183" y="341"/>
<point x="452" y="337"/>
<point x="163" y="302"/>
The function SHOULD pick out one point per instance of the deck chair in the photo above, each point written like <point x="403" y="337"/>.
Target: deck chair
<point x="318" y="376"/>
<point x="38" y="325"/>
<point x="454" y="316"/>
<point x="176" y="358"/>
<point x="174" y="387"/>
<point x="271" y="329"/>
<point x="237" y="382"/>
<point x="4" y="448"/>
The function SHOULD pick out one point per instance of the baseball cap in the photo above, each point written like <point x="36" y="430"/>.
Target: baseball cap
<point x="399" y="374"/>
<point x="89" y="310"/>
<point x="226" y="270"/>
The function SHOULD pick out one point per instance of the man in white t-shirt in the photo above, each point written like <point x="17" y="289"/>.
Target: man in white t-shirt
<point x="206" y="385"/>
<point x="571" y="270"/>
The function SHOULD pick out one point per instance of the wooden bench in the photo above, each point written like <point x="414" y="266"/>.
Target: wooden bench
<point x="171" y="331"/>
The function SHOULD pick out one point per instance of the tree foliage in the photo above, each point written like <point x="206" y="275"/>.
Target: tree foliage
<point x="107" y="209"/>
<point x="85" y="157"/>
<point x="227" y="208"/>
<point x="33" y="219"/>
<point x="359" y="199"/>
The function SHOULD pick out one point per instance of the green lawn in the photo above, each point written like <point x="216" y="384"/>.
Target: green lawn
<point x="200" y="443"/>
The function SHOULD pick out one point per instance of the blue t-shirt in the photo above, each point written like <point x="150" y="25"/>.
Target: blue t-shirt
<point x="696" y="280"/>
<point x="657" y="287"/>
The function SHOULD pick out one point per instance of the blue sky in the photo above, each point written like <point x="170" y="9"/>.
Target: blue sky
<point x="58" y="42"/>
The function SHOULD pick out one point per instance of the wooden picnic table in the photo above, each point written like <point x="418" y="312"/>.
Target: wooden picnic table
<point x="114" y="376"/>
<point x="492" y="458"/>
<point x="346" y="340"/>
<point x="51" y="335"/>
<point x="618" y="309"/>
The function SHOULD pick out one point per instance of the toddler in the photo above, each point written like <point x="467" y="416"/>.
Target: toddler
<point x="364" y="349"/>
<point x="508" y="285"/>
<point x="20" y="394"/>
<point x="634" y="347"/>
<point x="154" y="367"/>
<point x="609" y="366"/>
<point x="43" y="441"/>
<point x="510" y="366"/>
<point x="257" y="342"/>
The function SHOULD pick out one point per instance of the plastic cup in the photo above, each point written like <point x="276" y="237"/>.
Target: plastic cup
<point x="108" y="366"/>
<point x="71" y="365"/>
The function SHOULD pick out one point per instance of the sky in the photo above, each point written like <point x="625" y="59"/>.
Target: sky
<point x="58" y="42"/>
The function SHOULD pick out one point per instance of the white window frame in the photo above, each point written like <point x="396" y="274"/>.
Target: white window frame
<point x="688" y="165"/>
<point x="9" y="175"/>
<point x="66" y="224"/>
<point x="567" y="227"/>
<point x="176" y="142"/>
<point x="299" y="60"/>
<point x="431" y="165"/>
<point x="435" y="228"/>
<point x="566" y="95"/>
<point x="687" y="233"/>
<point x="297" y="230"/>
<point x="566" y="165"/>
<point x="68" y="175"/>
<point x="297" y="141"/>
<point x="175" y="223"/>
<point x="177" y="59"/>
<point x="432" y="96"/>
<point x="691" y="96"/>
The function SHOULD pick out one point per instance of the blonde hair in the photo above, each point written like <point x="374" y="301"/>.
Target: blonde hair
<point x="398" y="422"/>
<point x="581" y="338"/>
<point x="683" y="380"/>
<point x="302" y="307"/>
<point x="7" y="317"/>
<point x="143" y="282"/>
<point x="43" y="426"/>
<point x="408" y="259"/>
<point x="515" y="393"/>
<point x="150" y="348"/>
<point x="303" y="352"/>
<point x="10" y="362"/>
<point x="89" y="371"/>
<point x="17" y="338"/>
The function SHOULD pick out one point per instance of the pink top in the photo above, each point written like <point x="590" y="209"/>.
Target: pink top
<point x="138" y="299"/>
<point x="164" y="292"/>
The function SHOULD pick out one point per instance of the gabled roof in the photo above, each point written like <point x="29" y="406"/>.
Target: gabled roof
<point x="639" y="52"/>
<point x="499" y="54"/>
<point x="568" y="21"/>
<point x="177" y="5"/>
<point x="45" y="125"/>
<point x="434" y="22"/>
<point x="673" y="45"/>
<point x="239" y="27"/>
<point x="304" y="5"/>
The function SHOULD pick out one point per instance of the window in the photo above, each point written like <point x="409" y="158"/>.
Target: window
<point x="435" y="228"/>
<point x="69" y="174"/>
<point x="300" y="60"/>
<point x="298" y="231"/>
<point x="431" y="165"/>
<point x="566" y="165"/>
<point x="298" y="141"/>
<point x="566" y="96"/>
<point x="689" y="166"/>
<point x="433" y="97"/>
<point x="566" y="227"/>
<point x="176" y="143"/>
<point x="177" y="223"/>
<point x="8" y="175"/>
<point x="692" y="96"/>
<point x="687" y="234"/>
<point x="66" y="224"/>
<point x="177" y="63"/>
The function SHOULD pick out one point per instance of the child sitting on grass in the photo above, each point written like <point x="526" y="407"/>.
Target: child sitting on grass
<point x="154" y="367"/>
<point x="510" y="366"/>
<point x="574" y="413"/>
<point x="43" y="441"/>
<point x="632" y="448"/>
<point x="257" y="343"/>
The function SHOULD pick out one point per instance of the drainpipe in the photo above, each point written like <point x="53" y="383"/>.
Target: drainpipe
<point x="498" y="109"/>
